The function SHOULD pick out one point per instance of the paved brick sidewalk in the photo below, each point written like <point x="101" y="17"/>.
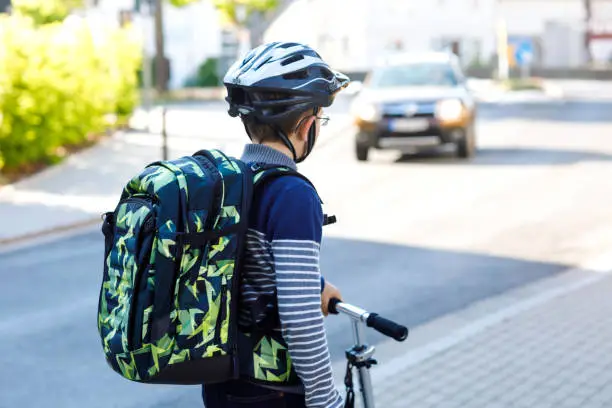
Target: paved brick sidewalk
<point x="554" y="352"/>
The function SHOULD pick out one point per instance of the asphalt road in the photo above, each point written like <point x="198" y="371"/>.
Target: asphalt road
<point x="417" y="238"/>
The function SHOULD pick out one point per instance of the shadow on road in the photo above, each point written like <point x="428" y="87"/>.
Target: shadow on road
<point x="511" y="156"/>
<point x="414" y="285"/>
<point x="55" y="286"/>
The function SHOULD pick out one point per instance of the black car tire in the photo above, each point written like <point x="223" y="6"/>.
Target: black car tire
<point x="362" y="152"/>
<point x="466" y="147"/>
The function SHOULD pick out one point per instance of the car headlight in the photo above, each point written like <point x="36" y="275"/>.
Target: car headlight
<point x="449" y="109"/>
<point x="367" y="112"/>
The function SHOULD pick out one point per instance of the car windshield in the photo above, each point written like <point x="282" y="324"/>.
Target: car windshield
<point x="415" y="74"/>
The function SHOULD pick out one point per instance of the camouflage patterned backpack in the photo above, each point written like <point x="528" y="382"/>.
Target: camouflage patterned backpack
<point x="168" y="304"/>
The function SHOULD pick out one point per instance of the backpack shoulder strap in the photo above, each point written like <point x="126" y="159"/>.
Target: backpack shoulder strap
<point x="265" y="173"/>
<point x="261" y="175"/>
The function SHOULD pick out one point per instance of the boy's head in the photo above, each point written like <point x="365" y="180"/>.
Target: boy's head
<point x="279" y="90"/>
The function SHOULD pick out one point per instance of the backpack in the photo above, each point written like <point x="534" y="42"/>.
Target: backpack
<point x="168" y="303"/>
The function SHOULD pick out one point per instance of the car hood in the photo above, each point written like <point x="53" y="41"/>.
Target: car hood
<point x="412" y="93"/>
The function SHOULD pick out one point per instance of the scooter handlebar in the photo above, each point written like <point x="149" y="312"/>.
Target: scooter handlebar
<point x="373" y="320"/>
<point x="387" y="327"/>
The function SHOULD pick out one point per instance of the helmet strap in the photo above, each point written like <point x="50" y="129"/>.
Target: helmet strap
<point x="278" y="131"/>
<point x="286" y="141"/>
<point x="246" y="128"/>
<point x="312" y="133"/>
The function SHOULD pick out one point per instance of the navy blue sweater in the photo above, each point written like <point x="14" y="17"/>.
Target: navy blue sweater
<point x="282" y="252"/>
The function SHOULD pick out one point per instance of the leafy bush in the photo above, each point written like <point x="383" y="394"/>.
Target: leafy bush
<point x="58" y="83"/>
<point x="206" y="75"/>
<point x="522" y="84"/>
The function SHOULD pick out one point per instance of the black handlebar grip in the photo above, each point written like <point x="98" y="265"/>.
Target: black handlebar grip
<point x="387" y="327"/>
<point x="332" y="305"/>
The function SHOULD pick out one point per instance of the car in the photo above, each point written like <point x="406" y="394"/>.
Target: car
<point x="412" y="102"/>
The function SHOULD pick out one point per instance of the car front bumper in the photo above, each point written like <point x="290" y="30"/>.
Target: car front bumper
<point x="390" y="133"/>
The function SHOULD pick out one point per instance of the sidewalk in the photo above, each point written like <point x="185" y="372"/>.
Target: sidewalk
<point x="576" y="89"/>
<point x="546" y="345"/>
<point x="490" y="91"/>
<point x="75" y="193"/>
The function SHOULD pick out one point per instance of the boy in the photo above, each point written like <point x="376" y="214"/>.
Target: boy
<point x="279" y="90"/>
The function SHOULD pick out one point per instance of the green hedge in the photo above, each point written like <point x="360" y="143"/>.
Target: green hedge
<point x="206" y="75"/>
<point x="58" y="84"/>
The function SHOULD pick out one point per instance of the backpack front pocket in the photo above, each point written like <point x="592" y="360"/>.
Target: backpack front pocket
<point x="129" y="235"/>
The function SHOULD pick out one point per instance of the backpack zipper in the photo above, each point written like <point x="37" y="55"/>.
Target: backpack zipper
<point x="222" y="313"/>
<point x="135" y="320"/>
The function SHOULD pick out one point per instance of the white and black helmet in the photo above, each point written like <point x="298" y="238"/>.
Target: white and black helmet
<point x="289" y="68"/>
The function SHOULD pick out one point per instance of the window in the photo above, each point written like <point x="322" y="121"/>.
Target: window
<point x="415" y="74"/>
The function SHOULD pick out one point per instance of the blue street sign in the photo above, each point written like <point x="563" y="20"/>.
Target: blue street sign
<point x="523" y="49"/>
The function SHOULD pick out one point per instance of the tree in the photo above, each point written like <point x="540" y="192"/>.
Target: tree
<point x="230" y="10"/>
<point x="45" y="11"/>
<point x="161" y="68"/>
<point x="234" y="13"/>
<point x="161" y="63"/>
<point x="241" y="16"/>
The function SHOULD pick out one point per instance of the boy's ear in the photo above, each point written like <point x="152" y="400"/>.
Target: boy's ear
<point x="304" y="128"/>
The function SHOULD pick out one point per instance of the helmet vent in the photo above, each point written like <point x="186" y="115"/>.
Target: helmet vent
<point x="301" y="74"/>
<point x="263" y="63"/>
<point x="289" y="45"/>
<point x="292" y="59"/>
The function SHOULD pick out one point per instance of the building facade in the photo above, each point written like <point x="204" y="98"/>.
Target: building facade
<point x="192" y="33"/>
<point x="353" y="34"/>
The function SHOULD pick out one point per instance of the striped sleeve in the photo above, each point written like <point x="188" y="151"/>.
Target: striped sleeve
<point x="296" y="220"/>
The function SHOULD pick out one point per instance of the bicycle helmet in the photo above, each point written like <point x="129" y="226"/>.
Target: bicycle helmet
<point x="293" y="70"/>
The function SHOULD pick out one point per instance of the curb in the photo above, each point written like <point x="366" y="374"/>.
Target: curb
<point x="496" y="92"/>
<point x="24" y="238"/>
<point x="552" y="90"/>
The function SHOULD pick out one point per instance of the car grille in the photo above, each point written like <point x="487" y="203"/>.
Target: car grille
<point x="432" y="131"/>
<point x="400" y="110"/>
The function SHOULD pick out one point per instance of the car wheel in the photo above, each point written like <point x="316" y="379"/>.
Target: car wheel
<point x="466" y="147"/>
<point x="362" y="152"/>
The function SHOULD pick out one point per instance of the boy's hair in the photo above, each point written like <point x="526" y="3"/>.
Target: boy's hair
<point x="261" y="132"/>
